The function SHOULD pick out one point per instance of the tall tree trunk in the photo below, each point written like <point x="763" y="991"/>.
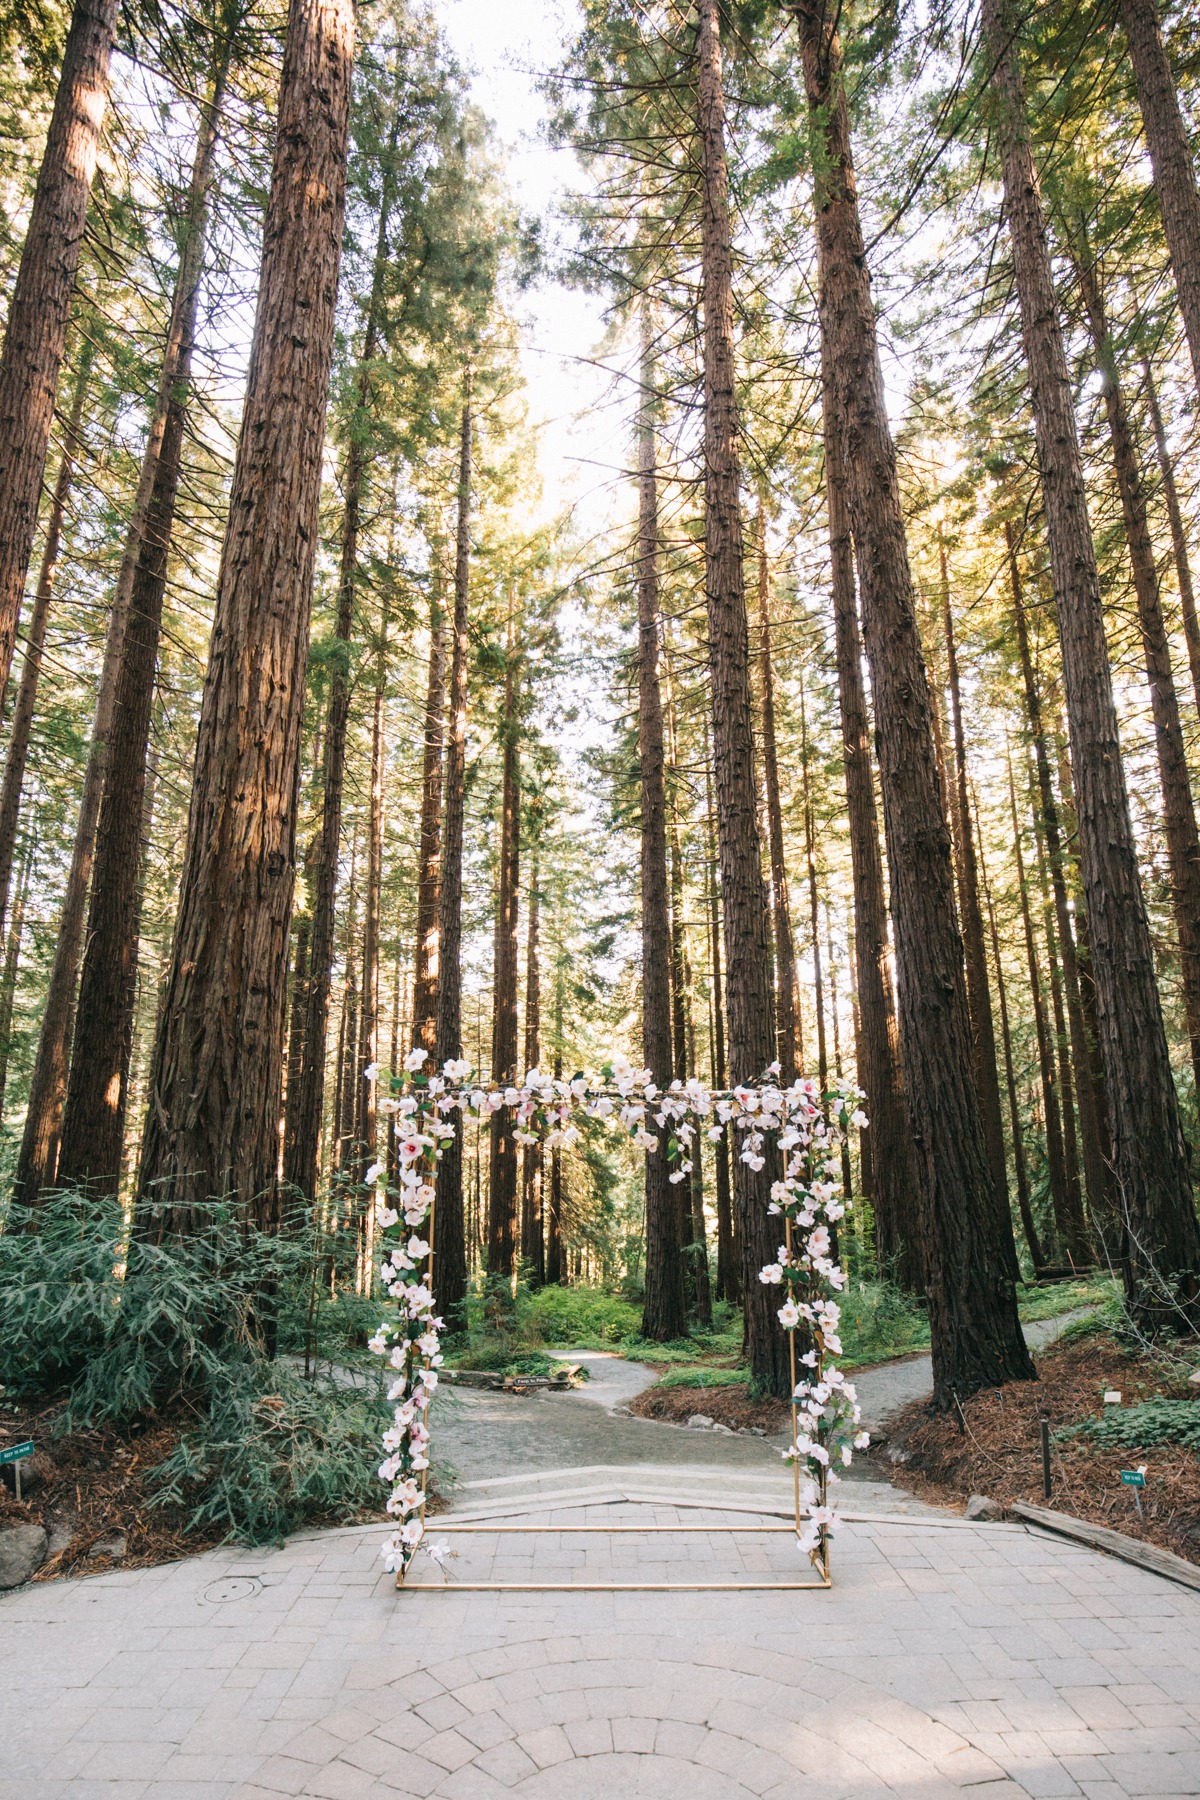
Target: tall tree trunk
<point x="368" y="1027"/>
<point x="887" y="1146"/>
<point x="1028" y="1226"/>
<point x="1179" y="813"/>
<point x="785" y="953"/>
<point x="847" y="1178"/>
<point x="35" y="638"/>
<point x="679" y="987"/>
<point x="1047" y="1066"/>
<point x="729" y="1285"/>
<point x="664" y="1314"/>
<point x="976" y="1334"/>
<point x="1179" y="546"/>
<point x="555" y="1267"/>
<point x="979" y="993"/>
<point x="1149" y="1155"/>
<point x="39" y="308"/>
<point x="1089" y="1080"/>
<point x="701" y="1276"/>
<point x="449" y="1223"/>
<point x="425" y="978"/>
<point x="1072" y="1232"/>
<point x="813" y="901"/>
<point x="8" y="982"/>
<point x="302" y="1134"/>
<point x="97" y="1094"/>
<point x="750" y="983"/>
<point x="1170" y="158"/>
<point x="502" y="1158"/>
<point x="214" y="1091"/>
<point x="533" y="1239"/>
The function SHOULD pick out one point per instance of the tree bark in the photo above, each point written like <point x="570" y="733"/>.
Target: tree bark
<point x="729" y="1285"/>
<point x="35" y="337"/>
<point x="1149" y="1155"/>
<point x="1170" y="158"/>
<point x="785" y="951"/>
<point x="21" y="727"/>
<point x="8" y="983"/>
<point x="1179" y="546"/>
<point x="533" y="1240"/>
<point x="502" y="1158"/>
<point x="214" y="1091"/>
<point x="97" y="1092"/>
<point x="813" y="903"/>
<point x="979" y="993"/>
<point x="976" y="1334"/>
<point x="425" y="976"/>
<point x="664" y="1315"/>
<point x="1089" y="1081"/>
<point x="449" y="1241"/>
<point x="555" y="1267"/>
<point x="750" y="983"/>
<point x="1179" y="813"/>
<point x="1047" y="1066"/>
<point x="366" y="1111"/>
<point x="887" y="1144"/>
<point x="1028" y="1226"/>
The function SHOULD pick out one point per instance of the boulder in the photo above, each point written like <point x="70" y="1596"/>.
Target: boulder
<point x="726" y="1429"/>
<point x="700" y="1422"/>
<point x="1194" y="1378"/>
<point x="22" y="1550"/>
<point x="982" y="1510"/>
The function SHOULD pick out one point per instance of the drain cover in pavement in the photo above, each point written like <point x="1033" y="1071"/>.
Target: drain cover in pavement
<point x="231" y="1587"/>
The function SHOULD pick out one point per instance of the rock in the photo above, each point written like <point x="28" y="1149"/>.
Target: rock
<point x="113" y="1545"/>
<point x="22" y="1550"/>
<point x="622" y="1412"/>
<point x="897" y="1455"/>
<point x="982" y="1510"/>
<point x="1194" y="1378"/>
<point x="757" y="1431"/>
<point x="876" y="1432"/>
<point x="700" y="1422"/>
<point x="727" y="1430"/>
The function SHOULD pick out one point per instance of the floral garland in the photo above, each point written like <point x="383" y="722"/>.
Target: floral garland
<point x="809" y="1127"/>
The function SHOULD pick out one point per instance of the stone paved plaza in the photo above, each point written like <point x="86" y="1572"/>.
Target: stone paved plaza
<point x="948" y="1658"/>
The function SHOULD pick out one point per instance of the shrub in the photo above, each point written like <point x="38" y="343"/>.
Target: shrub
<point x="1158" y="1421"/>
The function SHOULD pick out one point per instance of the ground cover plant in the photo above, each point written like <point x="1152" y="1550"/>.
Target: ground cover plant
<point x="164" y="1385"/>
<point x="993" y="1446"/>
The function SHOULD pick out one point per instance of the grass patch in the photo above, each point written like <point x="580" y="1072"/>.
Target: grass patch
<point x="1034" y="1302"/>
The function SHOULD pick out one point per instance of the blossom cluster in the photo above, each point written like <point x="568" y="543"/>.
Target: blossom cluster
<point x="806" y="1125"/>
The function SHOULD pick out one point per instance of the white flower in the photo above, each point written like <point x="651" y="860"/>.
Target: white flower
<point x="371" y="1071"/>
<point x="414" y="1060"/>
<point x="771" y="1276"/>
<point x="373" y="1173"/>
<point x="789" y="1315"/>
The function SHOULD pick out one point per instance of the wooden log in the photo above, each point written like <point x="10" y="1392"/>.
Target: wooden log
<point x="1115" y="1543"/>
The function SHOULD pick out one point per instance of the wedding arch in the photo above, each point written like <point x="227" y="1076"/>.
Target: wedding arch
<point x="807" y="1127"/>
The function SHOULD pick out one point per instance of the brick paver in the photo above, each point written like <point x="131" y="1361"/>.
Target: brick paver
<point x="947" y="1660"/>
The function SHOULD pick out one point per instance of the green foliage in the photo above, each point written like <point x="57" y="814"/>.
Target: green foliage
<point x="1035" y="1302"/>
<point x="879" y="1321"/>
<point x="126" y="1329"/>
<point x="1157" y="1421"/>
<point x="702" y="1378"/>
<point x="585" y="1317"/>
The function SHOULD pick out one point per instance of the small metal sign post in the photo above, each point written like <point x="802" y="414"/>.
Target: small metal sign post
<point x="1136" y="1479"/>
<point x="16" y="1454"/>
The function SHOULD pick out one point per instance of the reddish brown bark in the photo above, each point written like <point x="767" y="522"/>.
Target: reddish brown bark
<point x="21" y="726"/>
<point x="887" y="1145"/>
<point x="213" y="1124"/>
<point x="425" y="975"/>
<point x="729" y="1285"/>
<point x="533" y="1237"/>
<point x="39" y="308"/>
<point x="979" y="993"/>
<point x="97" y="1094"/>
<point x="449" y="1242"/>
<point x="663" y="1307"/>
<point x="750" y="982"/>
<point x="366" y="1112"/>
<point x="1179" y="543"/>
<point x="1170" y="157"/>
<point x="1150" y="1159"/>
<point x="976" y="1335"/>
<point x="502" y="1156"/>
<point x="786" y="990"/>
<point x="1028" y="1225"/>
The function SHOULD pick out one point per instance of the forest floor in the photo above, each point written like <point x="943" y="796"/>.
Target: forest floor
<point x="995" y="1448"/>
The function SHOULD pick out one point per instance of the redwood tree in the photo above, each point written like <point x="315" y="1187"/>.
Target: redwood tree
<point x="749" y="973"/>
<point x="1149" y="1155"/>
<point x="213" y="1124"/>
<point x="976" y="1334"/>
<point x="39" y="307"/>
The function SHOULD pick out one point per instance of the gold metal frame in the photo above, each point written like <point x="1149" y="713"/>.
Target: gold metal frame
<point x="819" y="1558"/>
